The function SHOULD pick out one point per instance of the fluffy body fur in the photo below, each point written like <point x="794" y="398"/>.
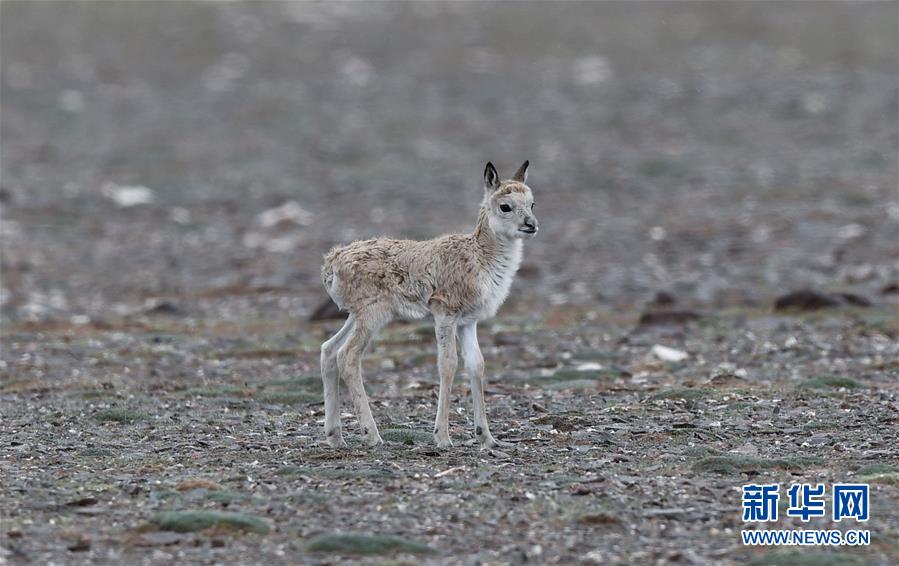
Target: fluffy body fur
<point x="458" y="279"/>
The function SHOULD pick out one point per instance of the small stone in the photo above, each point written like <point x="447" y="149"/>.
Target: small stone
<point x="83" y="502"/>
<point x="890" y="289"/>
<point x="128" y="195"/>
<point x="165" y="308"/>
<point x="805" y="300"/>
<point x="288" y="213"/>
<point x="667" y="354"/>
<point x="80" y="545"/>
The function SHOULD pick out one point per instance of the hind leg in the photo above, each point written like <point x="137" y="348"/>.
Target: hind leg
<point x="349" y="363"/>
<point x="447" y="360"/>
<point x="330" y="384"/>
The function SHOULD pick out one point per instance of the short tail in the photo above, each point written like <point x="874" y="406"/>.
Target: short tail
<point x="329" y="280"/>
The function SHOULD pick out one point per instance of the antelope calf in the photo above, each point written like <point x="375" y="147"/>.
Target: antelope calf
<point x="459" y="279"/>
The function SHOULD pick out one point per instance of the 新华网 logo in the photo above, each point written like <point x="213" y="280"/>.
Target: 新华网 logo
<point x="848" y="501"/>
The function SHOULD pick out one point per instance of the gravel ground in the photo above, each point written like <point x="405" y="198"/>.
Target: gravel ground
<point x="173" y="172"/>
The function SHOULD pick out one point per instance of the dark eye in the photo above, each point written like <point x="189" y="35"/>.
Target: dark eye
<point x="533" y="204"/>
<point x="505" y="208"/>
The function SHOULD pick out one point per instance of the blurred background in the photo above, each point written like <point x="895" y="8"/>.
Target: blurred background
<point x="172" y="173"/>
<point x="201" y="157"/>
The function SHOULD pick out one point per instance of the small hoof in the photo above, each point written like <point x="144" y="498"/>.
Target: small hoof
<point x="336" y="442"/>
<point x="443" y="442"/>
<point x="374" y="441"/>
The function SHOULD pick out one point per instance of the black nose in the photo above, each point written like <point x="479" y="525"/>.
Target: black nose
<point x="530" y="223"/>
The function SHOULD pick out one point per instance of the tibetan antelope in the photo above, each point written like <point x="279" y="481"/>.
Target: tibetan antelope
<point x="459" y="279"/>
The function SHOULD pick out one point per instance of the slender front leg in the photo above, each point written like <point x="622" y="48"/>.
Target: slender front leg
<point x="447" y="360"/>
<point x="330" y="384"/>
<point x="349" y="362"/>
<point x="474" y="366"/>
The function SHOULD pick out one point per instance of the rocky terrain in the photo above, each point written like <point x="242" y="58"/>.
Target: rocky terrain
<point x="712" y="299"/>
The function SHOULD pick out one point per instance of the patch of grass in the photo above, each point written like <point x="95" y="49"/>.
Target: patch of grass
<point x="261" y="352"/>
<point x="334" y="473"/>
<point x="307" y="498"/>
<point x="681" y="393"/>
<point x="407" y="436"/>
<point x="571" y="384"/>
<point x="365" y="544"/>
<point x="592" y="355"/>
<point x="219" y="391"/>
<point x="299" y="390"/>
<point x="884" y="478"/>
<point x="421" y="359"/>
<point x="293" y="471"/>
<point x="806" y="558"/>
<point x="301" y="382"/>
<point x="290" y="398"/>
<point x="700" y="452"/>
<point x="212" y="494"/>
<point x="876" y="468"/>
<point x="223" y="496"/>
<point x="598" y="518"/>
<point x="885" y="323"/>
<point x="733" y="463"/>
<point x="192" y="521"/>
<point x="119" y="416"/>
<point x="95" y="452"/>
<point x="829" y="381"/>
<point x="573" y="379"/>
<point x="95" y="394"/>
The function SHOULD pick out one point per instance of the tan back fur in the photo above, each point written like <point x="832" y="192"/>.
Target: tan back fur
<point x="466" y="276"/>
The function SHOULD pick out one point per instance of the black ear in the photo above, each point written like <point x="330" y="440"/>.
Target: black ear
<point x="491" y="177"/>
<point x="522" y="174"/>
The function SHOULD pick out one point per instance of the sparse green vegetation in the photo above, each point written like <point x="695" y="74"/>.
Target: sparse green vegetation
<point x="883" y="478"/>
<point x="289" y="398"/>
<point x="192" y="521"/>
<point x="733" y="463"/>
<point x="95" y="452"/>
<point x="119" y="415"/>
<point x="683" y="393"/>
<point x="301" y="382"/>
<point x="876" y="468"/>
<point x="218" y="391"/>
<point x="223" y="496"/>
<point x="574" y="379"/>
<point x="593" y="355"/>
<point x="407" y="436"/>
<point x="700" y="452"/>
<point x="571" y="384"/>
<point x="366" y="544"/>
<point x="335" y="473"/>
<point x="95" y="394"/>
<point x="829" y="381"/>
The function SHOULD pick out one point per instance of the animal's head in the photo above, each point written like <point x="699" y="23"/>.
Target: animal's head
<point x="509" y="204"/>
